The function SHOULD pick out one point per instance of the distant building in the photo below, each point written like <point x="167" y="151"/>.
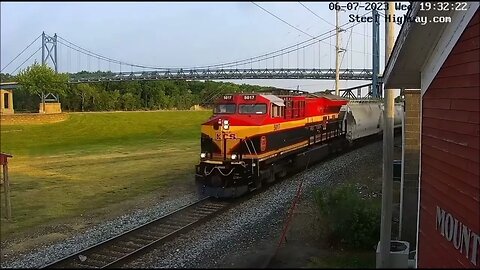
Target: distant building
<point x="442" y="60"/>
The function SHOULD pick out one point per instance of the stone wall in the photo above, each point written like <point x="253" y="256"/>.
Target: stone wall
<point x="50" y="108"/>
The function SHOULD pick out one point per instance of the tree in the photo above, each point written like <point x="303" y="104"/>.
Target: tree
<point x="40" y="79"/>
<point x="130" y="102"/>
<point x="84" y="91"/>
<point x="5" y="77"/>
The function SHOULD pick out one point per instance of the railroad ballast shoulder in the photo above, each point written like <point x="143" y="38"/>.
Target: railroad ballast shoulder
<point x="254" y="138"/>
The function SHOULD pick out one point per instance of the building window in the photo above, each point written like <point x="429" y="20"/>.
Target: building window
<point x="5" y="101"/>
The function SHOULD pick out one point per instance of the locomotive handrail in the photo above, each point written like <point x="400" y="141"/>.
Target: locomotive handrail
<point x="250" y="152"/>
<point x="256" y="154"/>
<point x="248" y="148"/>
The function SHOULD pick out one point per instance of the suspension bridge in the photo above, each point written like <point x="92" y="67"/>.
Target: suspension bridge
<point x="272" y="65"/>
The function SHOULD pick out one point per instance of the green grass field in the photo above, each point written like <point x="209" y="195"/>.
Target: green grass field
<point x="92" y="161"/>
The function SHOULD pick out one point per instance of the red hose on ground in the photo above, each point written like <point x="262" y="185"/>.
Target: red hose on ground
<point x="290" y="215"/>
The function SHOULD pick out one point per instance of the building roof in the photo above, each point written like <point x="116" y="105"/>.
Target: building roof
<point x="9" y="85"/>
<point x="417" y="43"/>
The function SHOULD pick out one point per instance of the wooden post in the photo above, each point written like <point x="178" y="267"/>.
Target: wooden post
<point x="6" y="184"/>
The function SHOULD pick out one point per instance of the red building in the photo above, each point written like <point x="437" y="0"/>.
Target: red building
<point x="443" y="61"/>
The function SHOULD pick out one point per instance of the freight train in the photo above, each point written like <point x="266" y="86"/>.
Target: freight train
<point x="253" y="139"/>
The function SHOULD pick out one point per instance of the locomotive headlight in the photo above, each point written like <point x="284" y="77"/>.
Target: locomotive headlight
<point x="203" y="155"/>
<point x="226" y="125"/>
<point x="234" y="156"/>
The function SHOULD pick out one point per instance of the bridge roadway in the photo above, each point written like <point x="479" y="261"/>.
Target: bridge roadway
<point x="228" y="74"/>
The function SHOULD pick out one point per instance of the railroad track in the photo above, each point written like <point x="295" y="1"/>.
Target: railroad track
<point x="119" y="250"/>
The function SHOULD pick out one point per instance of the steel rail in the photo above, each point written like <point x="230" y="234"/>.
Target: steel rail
<point x="119" y="250"/>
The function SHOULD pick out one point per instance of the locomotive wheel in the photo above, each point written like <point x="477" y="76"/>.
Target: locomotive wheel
<point x="270" y="178"/>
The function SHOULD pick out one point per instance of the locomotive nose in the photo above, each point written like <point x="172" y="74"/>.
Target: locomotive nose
<point x="216" y="180"/>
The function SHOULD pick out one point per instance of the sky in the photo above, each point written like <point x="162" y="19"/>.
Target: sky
<point x="186" y="34"/>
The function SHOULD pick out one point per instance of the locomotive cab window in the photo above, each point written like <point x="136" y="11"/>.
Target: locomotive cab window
<point x="252" y="108"/>
<point x="224" y="108"/>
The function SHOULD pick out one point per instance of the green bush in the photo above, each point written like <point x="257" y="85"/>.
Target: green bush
<point x="348" y="219"/>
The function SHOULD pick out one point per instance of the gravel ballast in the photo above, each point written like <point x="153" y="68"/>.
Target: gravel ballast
<point x="96" y="234"/>
<point x="244" y="236"/>
<point x="247" y="235"/>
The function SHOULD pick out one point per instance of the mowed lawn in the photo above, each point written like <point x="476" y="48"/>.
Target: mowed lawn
<point x="94" y="160"/>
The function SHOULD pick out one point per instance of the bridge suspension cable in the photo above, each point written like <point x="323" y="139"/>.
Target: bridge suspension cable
<point x="282" y="51"/>
<point x="20" y="53"/>
<point x="267" y="56"/>
<point x="27" y="59"/>
<point x="250" y="60"/>
<point x="98" y="56"/>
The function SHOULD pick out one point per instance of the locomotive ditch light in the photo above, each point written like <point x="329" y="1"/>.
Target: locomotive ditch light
<point x="234" y="156"/>
<point x="203" y="155"/>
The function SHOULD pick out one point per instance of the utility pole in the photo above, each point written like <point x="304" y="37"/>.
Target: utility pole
<point x="388" y="115"/>
<point x="337" y="52"/>
<point x="376" y="93"/>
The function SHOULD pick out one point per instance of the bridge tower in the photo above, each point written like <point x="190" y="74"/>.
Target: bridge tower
<point x="49" y="50"/>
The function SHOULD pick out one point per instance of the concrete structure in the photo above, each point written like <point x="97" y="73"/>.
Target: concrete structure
<point x="6" y="101"/>
<point x="50" y="107"/>
<point x="442" y="60"/>
<point x="6" y="97"/>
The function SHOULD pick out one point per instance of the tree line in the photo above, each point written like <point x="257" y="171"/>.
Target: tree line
<point x="38" y="80"/>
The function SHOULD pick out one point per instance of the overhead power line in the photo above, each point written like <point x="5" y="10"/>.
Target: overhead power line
<point x="286" y="51"/>
<point x="316" y="14"/>
<point x="300" y="30"/>
<point x="348" y="41"/>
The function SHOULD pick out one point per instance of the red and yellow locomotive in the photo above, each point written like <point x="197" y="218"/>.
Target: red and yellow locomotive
<point x="254" y="138"/>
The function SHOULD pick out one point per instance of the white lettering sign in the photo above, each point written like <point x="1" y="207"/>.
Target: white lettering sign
<point x="462" y="237"/>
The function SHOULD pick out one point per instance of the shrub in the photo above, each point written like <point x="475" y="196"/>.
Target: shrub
<point x="348" y="219"/>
